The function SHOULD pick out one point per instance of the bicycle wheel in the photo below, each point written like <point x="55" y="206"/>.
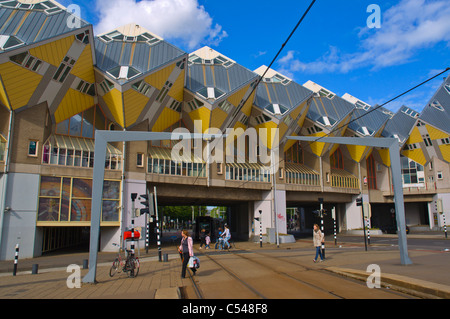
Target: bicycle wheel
<point x="133" y="267"/>
<point x="115" y="267"/>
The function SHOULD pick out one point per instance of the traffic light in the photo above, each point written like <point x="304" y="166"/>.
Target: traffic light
<point x="359" y="201"/>
<point x="146" y="209"/>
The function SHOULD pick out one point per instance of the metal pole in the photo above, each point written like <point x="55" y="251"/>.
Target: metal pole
<point x="157" y="226"/>
<point x="364" y="224"/>
<point x="275" y="195"/>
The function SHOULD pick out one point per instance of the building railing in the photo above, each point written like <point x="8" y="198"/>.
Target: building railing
<point x="160" y="161"/>
<point x="301" y="175"/>
<point x="247" y="172"/>
<point x="343" y="179"/>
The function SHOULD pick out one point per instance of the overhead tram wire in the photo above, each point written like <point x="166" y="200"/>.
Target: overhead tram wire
<point x="271" y="63"/>
<point x="379" y="106"/>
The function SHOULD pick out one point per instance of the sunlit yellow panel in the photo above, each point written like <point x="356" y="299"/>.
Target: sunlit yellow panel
<point x="3" y="95"/>
<point x="159" y="78"/>
<point x="113" y="100"/>
<point x="283" y="128"/>
<point x="84" y="68"/>
<point x="267" y="133"/>
<point x="385" y="157"/>
<point x="445" y="151"/>
<point x="19" y="83"/>
<point x="356" y="152"/>
<point x="317" y="147"/>
<point x="202" y="114"/>
<point x="134" y="103"/>
<point x="167" y="118"/>
<point x="177" y="89"/>
<point x="247" y="108"/>
<point x="414" y="137"/>
<point x="436" y="134"/>
<point x="218" y="116"/>
<point x="237" y="97"/>
<point x="416" y="155"/>
<point x="73" y="103"/>
<point x="289" y="143"/>
<point x="53" y="52"/>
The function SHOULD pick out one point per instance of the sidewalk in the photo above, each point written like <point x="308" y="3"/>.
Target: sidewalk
<point x="427" y="277"/>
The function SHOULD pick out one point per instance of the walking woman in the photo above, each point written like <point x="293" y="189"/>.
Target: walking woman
<point x="186" y="249"/>
<point x="318" y="239"/>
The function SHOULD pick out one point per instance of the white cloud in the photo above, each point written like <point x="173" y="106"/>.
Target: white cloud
<point x="407" y="27"/>
<point x="182" y="20"/>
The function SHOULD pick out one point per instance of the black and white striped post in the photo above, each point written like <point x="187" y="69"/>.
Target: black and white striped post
<point x="445" y="226"/>
<point x="133" y="213"/>
<point x="322" y="228"/>
<point x="147" y="233"/>
<point x="368" y="231"/>
<point x="158" y="235"/>
<point x="333" y="215"/>
<point x="132" y="237"/>
<point x="16" y="259"/>
<point x="260" y="228"/>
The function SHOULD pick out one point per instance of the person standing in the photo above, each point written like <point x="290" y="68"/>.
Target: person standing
<point x="318" y="239"/>
<point x="186" y="249"/>
<point x="202" y="238"/>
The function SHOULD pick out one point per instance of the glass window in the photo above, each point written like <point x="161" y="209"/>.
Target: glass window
<point x="75" y="125"/>
<point x="32" y="148"/>
<point x="63" y="127"/>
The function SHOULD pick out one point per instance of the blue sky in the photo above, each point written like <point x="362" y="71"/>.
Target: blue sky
<point x="332" y="47"/>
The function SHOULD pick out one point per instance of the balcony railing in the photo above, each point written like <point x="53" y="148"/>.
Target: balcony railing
<point x="301" y="175"/>
<point x="343" y="179"/>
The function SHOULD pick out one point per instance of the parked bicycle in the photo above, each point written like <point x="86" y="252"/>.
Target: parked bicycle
<point x="129" y="265"/>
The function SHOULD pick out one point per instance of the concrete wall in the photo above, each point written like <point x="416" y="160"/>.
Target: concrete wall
<point x="268" y="219"/>
<point x="19" y="224"/>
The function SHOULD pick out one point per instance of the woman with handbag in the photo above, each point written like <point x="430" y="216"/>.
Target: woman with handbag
<point x="318" y="239"/>
<point x="186" y="249"/>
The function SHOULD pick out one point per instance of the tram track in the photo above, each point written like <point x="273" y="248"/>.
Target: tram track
<point x="286" y="275"/>
<point x="306" y="268"/>
<point x="301" y="277"/>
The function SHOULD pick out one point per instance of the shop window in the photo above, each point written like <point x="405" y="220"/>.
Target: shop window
<point x="68" y="199"/>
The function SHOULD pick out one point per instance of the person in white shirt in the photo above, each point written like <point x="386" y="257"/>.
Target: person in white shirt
<point x="226" y="236"/>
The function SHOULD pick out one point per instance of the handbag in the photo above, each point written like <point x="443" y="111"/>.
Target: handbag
<point x="191" y="262"/>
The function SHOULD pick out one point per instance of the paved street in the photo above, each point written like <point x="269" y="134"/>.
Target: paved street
<point x="284" y="272"/>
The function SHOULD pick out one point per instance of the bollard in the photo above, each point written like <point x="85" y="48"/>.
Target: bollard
<point x="165" y="257"/>
<point x="34" y="269"/>
<point x="16" y="259"/>
<point x="85" y="263"/>
<point x="445" y="226"/>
